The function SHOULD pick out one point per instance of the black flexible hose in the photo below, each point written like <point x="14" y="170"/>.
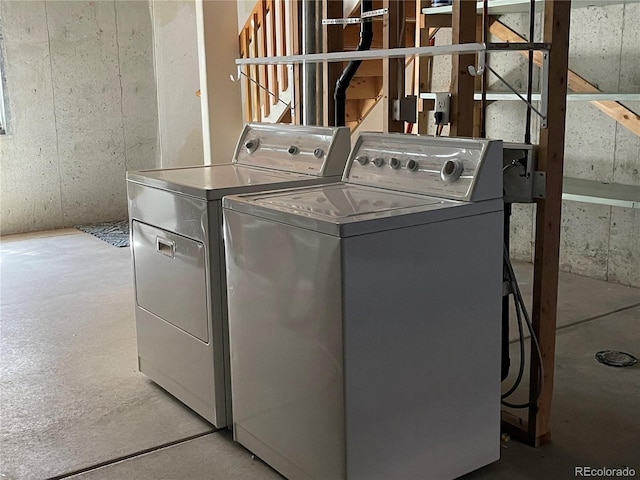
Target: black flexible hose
<point x="340" y="94"/>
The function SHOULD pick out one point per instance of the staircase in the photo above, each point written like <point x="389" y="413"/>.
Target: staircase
<point x="271" y="94"/>
<point x="366" y="88"/>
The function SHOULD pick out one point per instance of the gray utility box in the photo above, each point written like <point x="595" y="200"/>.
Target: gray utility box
<point x="521" y="182"/>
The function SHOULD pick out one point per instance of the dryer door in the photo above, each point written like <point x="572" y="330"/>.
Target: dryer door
<point x="170" y="276"/>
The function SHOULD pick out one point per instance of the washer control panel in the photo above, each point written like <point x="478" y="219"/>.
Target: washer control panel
<point x="457" y="168"/>
<point x="320" y="151"/>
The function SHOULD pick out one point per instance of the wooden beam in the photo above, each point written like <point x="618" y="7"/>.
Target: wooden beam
<point x="462" y="83"/>
<point x="245" y="53"/>
<point x="271" y="51"/>
<point x="295" y="17"/>
<point x="393" y="68"/>
<point x="262" y="47"/>
<point x="621" y="114"/>
<point x="557" y="16"/>
<point x="422" y="69"/>
<point x="281" y="23"/>
<point x="332" y="41"/>
<point x="255" y="69"/>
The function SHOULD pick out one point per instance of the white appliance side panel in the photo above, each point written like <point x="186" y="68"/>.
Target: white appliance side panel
<point x="219" y="321"/>
<point x="286" y="345"/>
<point x="422" y="326"/>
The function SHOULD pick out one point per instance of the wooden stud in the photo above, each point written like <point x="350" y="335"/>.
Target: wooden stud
<point x="332" y="41"/>
<point x="262" y="47"/>
<point x="255" y="52"/>
<point x="557" y="15"/>
<point x="477" y="119"/>
<point x="393" y="68"/>
<point x="247" y="72"/>
<point x="283" y="50"/>
<point x="295" y="16"/>
<point x="273" y="69"/>
<point x="425" y="74"/>
<point x="462" y="83"/>
<point x="265" y="102"/>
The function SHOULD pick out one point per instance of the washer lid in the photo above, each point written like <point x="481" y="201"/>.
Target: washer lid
<point x="343" y="209"/>
<point x="212" y="182"/>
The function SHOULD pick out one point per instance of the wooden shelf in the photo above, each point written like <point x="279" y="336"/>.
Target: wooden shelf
<point x="590" y="191"/>
<point x="584" y="97"/>
<point x="501" y="7"/>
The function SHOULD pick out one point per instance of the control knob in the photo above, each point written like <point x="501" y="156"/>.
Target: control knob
<point x="412" y="165"/>
<point x="251" y="145"/>
<point x="451" y="170"/>
<point x="318" y="152"/>
<point x="362" y="159"/>
<point x="394" y="163"/>
<point x="378" y="161"/>
<point x="293" y="150"/>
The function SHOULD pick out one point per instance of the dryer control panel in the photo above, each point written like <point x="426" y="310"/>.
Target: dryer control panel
<point x="320" y="151"/>
<point x="457" y="168"/>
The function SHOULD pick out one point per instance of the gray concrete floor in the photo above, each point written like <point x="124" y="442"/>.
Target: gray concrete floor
<point x="73" y="404"/>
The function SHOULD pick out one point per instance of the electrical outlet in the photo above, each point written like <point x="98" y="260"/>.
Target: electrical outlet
<point x="442" y="106"/>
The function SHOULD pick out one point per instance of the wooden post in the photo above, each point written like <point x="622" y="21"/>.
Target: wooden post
<point x="462" y="83"/>
<point x="295" y="17"/>
<point x="282" y="47"/>
<point x="255" y="69"/>
<point x="332" y="41"/>
<point x="272" y="50"/>
<point x="392" y="68"/>
<point x="425" y="67"/>
<point x="557" y="14"/>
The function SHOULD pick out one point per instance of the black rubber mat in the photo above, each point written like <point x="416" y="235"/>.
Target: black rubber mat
<point x="115" y="233"/>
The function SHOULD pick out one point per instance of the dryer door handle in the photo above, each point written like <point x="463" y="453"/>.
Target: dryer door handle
<point x="165" y="247"/>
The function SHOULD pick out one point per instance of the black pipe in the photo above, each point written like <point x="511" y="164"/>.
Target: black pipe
<point x="340" y="94"/>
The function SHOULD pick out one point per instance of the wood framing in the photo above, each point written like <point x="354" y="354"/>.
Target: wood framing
<point x="332" y="41"/>
<point x="557" y="16"/>
<point x="425" y="66"/>
<point x="392" y="68"/>
<point x="463" y="24"/>
<point x="295" y="19"/>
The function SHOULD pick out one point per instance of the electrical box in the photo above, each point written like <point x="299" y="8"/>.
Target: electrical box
<point x="442" y="104"/>
<point x="521" y="182"/>
<point x="406" y="109"/>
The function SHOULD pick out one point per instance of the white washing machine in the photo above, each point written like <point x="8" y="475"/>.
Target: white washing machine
<point x="178" y="254"/>
<point x="365" y="315"/>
